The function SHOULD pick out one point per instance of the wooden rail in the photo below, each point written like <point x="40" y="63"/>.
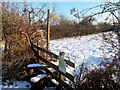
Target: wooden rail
<point x="53" y="55"/>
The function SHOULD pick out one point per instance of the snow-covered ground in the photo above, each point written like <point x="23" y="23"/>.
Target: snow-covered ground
<point x="80" y="49"/>
<point x="16" y="84"/>
<point x="86" y="49"/>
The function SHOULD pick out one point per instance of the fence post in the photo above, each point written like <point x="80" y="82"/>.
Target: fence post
<point x="62" y="77"/>
<point x="48" y="29"/>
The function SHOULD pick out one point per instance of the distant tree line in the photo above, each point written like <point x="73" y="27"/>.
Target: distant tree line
<point x="70" y="28"/>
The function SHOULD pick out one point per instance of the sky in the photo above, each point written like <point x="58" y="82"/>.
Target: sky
<point x="63" y="8"/>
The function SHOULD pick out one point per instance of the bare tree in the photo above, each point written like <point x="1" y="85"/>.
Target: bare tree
<point x="18" y="18"/>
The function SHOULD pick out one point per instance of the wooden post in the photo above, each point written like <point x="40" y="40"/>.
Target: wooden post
<point x="48" y="30"/>
<point x="62" y="77"/>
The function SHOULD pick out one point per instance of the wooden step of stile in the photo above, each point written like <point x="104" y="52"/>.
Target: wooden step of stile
<point x="38" y="78"/>
<point x="37" y="65"/>
<point x="51" y="70"/>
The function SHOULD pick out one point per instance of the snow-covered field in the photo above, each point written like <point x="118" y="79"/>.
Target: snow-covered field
<point x="80" y="49"/>
<point x="86" y="49"/>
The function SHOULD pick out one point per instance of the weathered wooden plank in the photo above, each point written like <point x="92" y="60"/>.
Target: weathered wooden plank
<point x="55" y="56"/>
<point x="37" y="65"/>
<point x="52" y="70"/>
<point x="69" y="76"/>
<point x="38" y="78"/>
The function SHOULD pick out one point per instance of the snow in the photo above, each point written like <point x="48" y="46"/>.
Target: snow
<point x="50" y="88"/>
<point x="54" y="81"/>
<point x="36" y="65"/>
<point x="52" y="70"/>
<point x="16" y="84"/>
<point x="78" y="49"/>
<point x="86" y="49"/>
<point x="0" y="87"/>
<point x="38" y="77"/>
